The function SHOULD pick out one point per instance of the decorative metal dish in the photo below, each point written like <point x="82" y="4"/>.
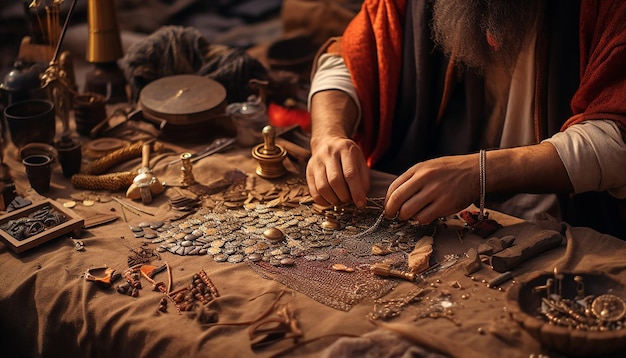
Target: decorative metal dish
<point x="35" y="224"/>
<point x="574" y="313"/>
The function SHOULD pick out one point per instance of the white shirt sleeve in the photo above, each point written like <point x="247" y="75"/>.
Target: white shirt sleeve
<point x="332" y="74"/>
<point x="594" y="155"/>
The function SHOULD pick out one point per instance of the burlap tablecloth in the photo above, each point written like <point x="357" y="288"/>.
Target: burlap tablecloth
<point x="48" y="309"/>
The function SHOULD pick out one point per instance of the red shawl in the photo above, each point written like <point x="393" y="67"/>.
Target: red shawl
<point x="602" y="90"/>
<point x="372" y="48"/>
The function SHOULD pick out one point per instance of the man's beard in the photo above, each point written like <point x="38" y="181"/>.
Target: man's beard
<point x="464" y="30"/>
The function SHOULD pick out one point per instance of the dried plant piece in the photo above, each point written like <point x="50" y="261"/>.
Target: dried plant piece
<point x="420" y="256"/>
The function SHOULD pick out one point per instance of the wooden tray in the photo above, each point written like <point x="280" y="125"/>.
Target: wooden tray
<point x="74" y="223"/>
<point x="523" y="302"/>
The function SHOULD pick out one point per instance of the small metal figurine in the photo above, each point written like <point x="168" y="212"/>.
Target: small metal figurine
<point x="269" y="156"/>
<point x="186" y="170"/>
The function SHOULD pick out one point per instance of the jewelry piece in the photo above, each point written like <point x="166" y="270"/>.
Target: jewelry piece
<point x="608" y="308"/>
<point x="603" y="313"/>
<point x="482" y="162"/>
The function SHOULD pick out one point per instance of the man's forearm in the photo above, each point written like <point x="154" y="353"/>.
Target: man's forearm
<point x="333" y="115"/>
<point x="530" y="169"/>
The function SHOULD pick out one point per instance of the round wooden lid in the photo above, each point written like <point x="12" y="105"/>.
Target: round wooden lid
<point x="183" y="99"/>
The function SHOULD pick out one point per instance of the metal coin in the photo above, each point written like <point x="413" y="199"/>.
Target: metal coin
<point x="214" y="250"/>
<point x="217" y="243"/>
<point x="248" y="242"/>
<point x="322" y="257"/>
<point x="220" y="257"/>
<point x="254" y="257"/>
<point x="235" y="258"/>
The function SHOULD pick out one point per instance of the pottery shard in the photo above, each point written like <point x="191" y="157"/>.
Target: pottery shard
<point x="420" y="256"/>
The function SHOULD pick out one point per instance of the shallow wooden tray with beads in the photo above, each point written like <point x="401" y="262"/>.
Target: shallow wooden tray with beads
<point x="74" y="223"/>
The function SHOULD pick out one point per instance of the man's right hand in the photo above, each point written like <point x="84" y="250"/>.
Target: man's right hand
<point x="337" y="173"/>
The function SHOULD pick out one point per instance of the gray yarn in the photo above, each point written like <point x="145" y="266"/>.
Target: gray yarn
<point x="173" y="50"/>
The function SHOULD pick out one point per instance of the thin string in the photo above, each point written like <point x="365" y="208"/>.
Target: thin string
<point x="483" y="182"/>
<point x="369" y="229"/>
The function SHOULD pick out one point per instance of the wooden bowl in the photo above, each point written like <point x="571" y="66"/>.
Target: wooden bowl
<point x="524" y="303"/>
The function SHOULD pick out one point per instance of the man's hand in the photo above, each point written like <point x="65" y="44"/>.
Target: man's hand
<point x="447" y="185"/>
<point x="337" y="173"/>
<point x="434" y="188"/>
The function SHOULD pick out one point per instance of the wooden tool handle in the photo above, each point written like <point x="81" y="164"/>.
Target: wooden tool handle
<point x="145" y="155"/>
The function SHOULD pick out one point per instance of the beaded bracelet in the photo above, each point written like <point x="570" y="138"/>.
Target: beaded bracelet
<point x="482" y="162"/>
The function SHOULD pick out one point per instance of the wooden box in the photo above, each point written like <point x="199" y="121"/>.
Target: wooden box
<point x="73" y="223"/>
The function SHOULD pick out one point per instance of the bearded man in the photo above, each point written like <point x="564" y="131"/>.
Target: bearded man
<point x="518" y="101"/>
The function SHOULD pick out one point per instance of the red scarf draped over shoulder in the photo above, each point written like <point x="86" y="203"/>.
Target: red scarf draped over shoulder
<point x="372" y="49"/>
<point x="602" y="90"/>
